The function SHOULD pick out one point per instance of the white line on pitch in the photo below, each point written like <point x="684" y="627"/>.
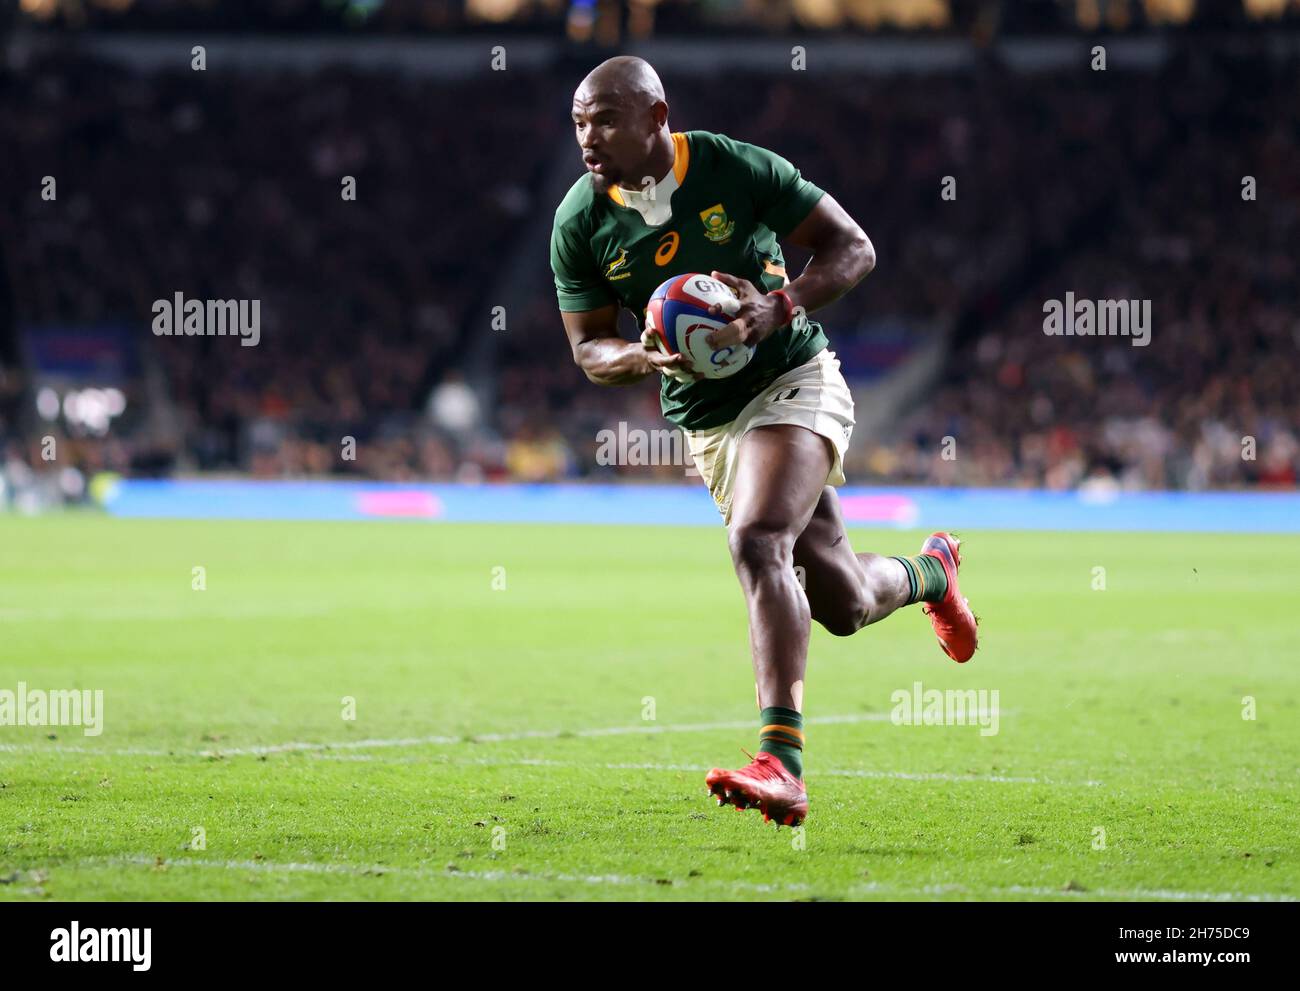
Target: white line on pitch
<point x="425" y="741"/>
<point x="1105" y="894"/>
<point x="633" y="766"/>
<point x="188" y="615"/>
<point x="378" y="870"/>
<point x="328" y="867"/>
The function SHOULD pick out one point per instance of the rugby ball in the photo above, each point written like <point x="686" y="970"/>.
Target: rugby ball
<point x="678" y="318"/>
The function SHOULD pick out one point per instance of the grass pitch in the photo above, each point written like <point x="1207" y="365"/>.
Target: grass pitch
<point x="501" y="677"/>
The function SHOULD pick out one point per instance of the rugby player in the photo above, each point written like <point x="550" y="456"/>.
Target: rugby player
<point x="769" y="441"/>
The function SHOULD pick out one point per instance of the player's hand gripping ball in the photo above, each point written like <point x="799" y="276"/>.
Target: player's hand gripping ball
<point x="678" y="321"/>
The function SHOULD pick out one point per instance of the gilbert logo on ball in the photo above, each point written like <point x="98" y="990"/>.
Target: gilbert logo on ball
<point x="678" y="316"/>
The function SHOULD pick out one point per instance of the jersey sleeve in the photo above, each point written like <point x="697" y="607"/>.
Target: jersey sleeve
<point x="578" y="284"/>
<point x="782" y="197"/>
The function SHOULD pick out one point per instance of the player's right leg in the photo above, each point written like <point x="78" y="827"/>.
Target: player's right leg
<point x="780" y="470"/>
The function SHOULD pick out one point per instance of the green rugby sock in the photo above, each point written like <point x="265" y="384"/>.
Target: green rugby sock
<point x="927" y="581"/>
<point x="781" y="736"/>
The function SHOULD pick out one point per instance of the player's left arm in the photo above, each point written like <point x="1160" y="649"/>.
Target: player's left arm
<point x="842" y="255"/>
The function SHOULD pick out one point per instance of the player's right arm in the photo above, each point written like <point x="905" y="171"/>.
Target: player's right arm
<point x="589" y="309"/>
<point x="608" y="359"/>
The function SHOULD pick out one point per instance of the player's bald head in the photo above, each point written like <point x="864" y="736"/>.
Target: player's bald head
<point x="620" y="119"/>
<point x="625" y="80"/>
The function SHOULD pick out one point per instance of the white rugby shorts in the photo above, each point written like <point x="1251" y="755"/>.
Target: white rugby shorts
<point x="813" y="395"/>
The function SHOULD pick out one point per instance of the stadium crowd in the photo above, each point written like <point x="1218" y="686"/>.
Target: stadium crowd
<point x="1129" y="188"/>
<point x="1209" y="237"/>
<point x="1110" y="185"/>
<point x="234" y="187"/>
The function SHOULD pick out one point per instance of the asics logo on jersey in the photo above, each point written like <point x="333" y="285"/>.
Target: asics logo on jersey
<point x="667" y="248"/>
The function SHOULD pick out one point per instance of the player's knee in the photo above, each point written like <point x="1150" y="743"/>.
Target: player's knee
<point x="757" y="547"/>
<point x="840" y="623"/>
<point x="848" y="615"/>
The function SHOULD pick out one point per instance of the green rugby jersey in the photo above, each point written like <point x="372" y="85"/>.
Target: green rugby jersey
<point x="732" y="201"/>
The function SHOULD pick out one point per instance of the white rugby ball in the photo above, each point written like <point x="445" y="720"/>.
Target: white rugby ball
<point x="678" y="317"/>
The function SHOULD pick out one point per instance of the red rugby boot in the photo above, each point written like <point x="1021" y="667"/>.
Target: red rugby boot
<point x="954" y="623"/>
<point x="765" y="785"/>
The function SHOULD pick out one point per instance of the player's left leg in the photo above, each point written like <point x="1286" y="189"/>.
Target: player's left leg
<point x="780" y="472"/>
<point x="847" y="591"/>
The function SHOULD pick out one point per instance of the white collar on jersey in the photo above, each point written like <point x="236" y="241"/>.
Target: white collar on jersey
<point x="655" y="203"/>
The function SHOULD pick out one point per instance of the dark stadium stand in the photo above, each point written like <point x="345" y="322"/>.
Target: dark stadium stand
<point x="233" y="190"/>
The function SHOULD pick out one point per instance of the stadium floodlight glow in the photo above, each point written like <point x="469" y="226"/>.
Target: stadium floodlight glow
<point x="93" y="409"/>
<point x="40" y="9"/>
<point x="496" y="11"/>
<point x="72" y="483"/>
<point x="47" y="404"/>
<point x="115" y="400"/>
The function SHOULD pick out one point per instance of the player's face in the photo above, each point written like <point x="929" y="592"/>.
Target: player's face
<point x="615" y="141"/>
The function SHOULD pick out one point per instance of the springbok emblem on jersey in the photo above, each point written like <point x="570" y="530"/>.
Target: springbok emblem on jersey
<point x="616" y="264"/>
<point x="717" y="228"/>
